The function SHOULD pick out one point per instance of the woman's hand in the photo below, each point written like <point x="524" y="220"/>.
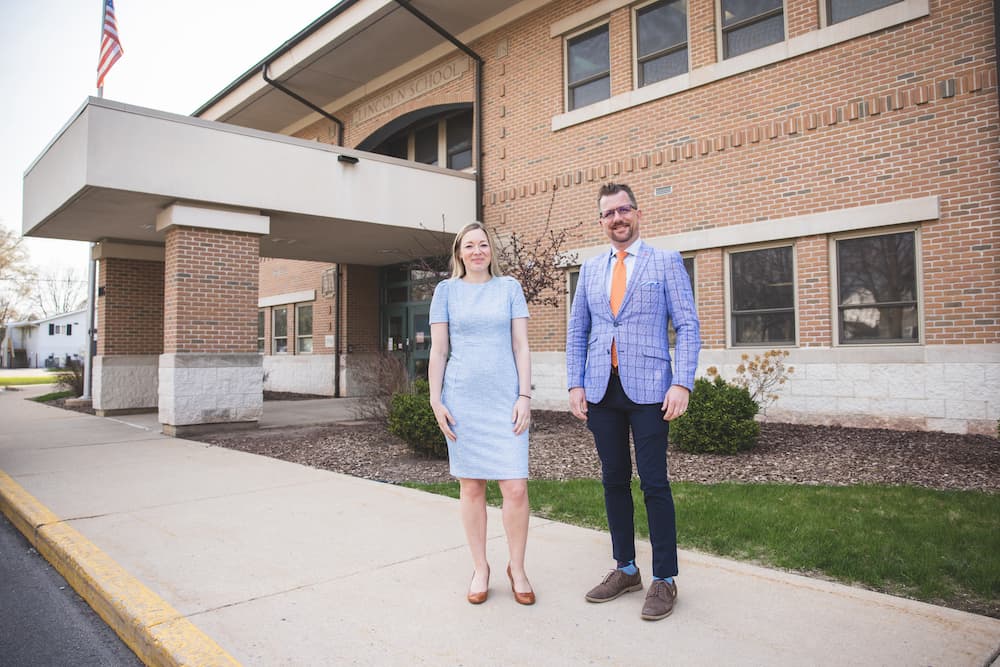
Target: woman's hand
<point x="522" y="415"/>
<point x="444" y="419"/>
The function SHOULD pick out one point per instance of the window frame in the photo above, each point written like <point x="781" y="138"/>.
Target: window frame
<point x="299" y="336"/>
<point x="730" y="321"/>
<point x="274" y="329"/>
<point x="637" y="64"/>
<point x="826" y="12"/>
<point x="261" y="331"/>
<point x="604" y="24"/>
<point x="835" y="307"/>
<point x="721" y="29"/>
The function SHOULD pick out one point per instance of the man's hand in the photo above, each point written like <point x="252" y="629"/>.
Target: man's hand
<point x="578" y="403"/>
<point x="675" y="403"/>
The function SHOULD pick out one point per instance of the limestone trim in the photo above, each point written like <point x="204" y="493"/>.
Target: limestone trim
<point x="119" y="250"/>
<point x="289" y="297"/>
<point x="874" y="216"/>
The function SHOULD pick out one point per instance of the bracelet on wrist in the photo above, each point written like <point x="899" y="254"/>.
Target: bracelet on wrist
<point x="524" y="396"/>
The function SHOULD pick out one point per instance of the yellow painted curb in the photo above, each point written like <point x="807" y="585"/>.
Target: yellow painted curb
<point x="154" y="630"/>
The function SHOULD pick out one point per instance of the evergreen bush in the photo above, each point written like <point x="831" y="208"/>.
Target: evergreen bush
<point x="719" y="420"/>
<point x="412" y="419"/>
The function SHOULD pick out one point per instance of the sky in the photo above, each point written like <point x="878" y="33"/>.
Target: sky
<point x="177" y="55"/>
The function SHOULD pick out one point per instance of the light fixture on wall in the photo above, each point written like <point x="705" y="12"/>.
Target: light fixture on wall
<point x="349" y="159"/>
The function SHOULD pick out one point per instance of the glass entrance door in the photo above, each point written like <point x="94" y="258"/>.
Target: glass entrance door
<point x="408" y="336"/>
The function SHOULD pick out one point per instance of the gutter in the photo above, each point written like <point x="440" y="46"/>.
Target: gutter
<point x="478" y="104"/>
<point x="299" y="98"/>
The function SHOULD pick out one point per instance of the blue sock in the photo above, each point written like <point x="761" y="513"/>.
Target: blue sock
<point x="669" y="580"/>
<point x="628" y="568"/>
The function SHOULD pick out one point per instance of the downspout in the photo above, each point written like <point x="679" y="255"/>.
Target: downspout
<point x="299" y="98"/>
<point x="479" y="95"/>
<point x="336" y="332"/>
<point x="88" y="357"/>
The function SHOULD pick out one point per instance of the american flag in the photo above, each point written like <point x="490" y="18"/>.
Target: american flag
<point x="111" y="48"/>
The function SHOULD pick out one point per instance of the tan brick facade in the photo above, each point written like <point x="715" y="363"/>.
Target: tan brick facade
<point x="130" y="307"/>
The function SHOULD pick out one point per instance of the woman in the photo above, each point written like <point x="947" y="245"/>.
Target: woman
<point x="480" y="380"/>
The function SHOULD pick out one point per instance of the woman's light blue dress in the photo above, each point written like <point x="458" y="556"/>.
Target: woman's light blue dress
<point x="480" y="379"/>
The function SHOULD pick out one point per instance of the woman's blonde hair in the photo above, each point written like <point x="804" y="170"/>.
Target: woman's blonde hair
<point x="457" y="265"/>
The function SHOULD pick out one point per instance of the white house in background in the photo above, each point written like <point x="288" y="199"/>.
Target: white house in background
<point x="49" y="342"/>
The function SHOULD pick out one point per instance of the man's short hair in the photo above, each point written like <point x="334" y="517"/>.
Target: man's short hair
<point x="609" y="189"/>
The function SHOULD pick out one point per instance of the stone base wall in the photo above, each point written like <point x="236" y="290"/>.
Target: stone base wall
<point x="125" y="383"/>
<point x="953" y="388"/>
<point x="305" y="374"/>
<point x="210" y="389"/>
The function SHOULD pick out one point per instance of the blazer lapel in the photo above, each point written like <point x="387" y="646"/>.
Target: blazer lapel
<point x="637" y="272"/>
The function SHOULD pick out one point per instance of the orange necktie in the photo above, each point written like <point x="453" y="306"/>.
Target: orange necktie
<point x="618" y="276"/>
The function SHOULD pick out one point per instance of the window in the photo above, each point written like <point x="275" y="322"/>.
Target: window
<point x="762" y="297"/>
<point x="260" y="332"/>
<point x="69" y="329"/>
<point x="459" y="141"/>
<point x="279" y="330"/>
<point x="425" y="144"/>
<point x="588" y="68"/>
<point x="841" y="10"/>
<point x="304" y="329"/>
<point x="661" y="41"/>
<point x="446" y="140"/>
<point x="877" y="289"/>
<point x="52" y="329"/>
<point x="748" y="25"/>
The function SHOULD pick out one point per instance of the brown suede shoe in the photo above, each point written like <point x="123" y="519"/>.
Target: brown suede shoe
<point x="616" y="584"/>
<point x="659" y="600"/>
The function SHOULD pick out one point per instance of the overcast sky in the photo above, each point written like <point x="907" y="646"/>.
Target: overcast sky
<point x="178" y="54"/>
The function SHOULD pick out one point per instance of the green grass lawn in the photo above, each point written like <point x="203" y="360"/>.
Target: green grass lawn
<point x="941" y="547"/>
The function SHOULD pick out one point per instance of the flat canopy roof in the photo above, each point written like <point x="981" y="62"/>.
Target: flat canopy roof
<point x="113" y="168"/>
<point x="353" y="50"/>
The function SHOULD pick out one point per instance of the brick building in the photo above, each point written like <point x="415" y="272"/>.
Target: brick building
<point x="829" y="170"/>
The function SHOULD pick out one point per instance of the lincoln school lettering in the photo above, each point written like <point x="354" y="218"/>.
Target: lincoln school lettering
<point x="412" y="88"/>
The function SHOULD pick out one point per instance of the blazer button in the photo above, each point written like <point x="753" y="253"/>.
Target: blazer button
<point x="616" y="324"/>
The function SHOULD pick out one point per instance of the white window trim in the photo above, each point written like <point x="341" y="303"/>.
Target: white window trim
<point x="286" y="299"/>
<point x="835" y="284"/>
<point x="587" y="28"/>
<point x="814" y="40"/>
<point x="635" y="42"/>
<point x="728" y="291"/>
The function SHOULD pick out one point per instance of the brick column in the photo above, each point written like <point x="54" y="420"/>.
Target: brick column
<point x="129" y="327"/>
<point x="210" y="372"/>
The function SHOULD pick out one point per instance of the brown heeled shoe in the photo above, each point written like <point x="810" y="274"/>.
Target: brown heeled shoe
<point x="522" y="598"/>
<point x="480" y="597"/>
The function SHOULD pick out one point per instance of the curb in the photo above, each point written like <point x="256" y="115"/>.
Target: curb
<point x="156" y="632"/>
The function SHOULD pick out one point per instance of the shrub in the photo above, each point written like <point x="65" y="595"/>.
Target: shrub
<point x="384" y="376"/>
<point x="71" y="377"/>
<point x="719" y="419"/>
<point x="412" y="419"/>
<point x="761" y="376"/>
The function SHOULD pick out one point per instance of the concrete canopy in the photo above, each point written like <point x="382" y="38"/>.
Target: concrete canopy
<point x="349" y="52"/>
<point x="113" y="168"/>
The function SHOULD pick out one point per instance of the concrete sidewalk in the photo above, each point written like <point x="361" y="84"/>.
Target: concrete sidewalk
<point x="208" y="556"/>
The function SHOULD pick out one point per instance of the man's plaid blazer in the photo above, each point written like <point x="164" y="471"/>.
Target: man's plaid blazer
<point x="658" y="291"/>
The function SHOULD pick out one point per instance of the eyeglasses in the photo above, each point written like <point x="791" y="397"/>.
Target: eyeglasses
<point x="621" y="210"/>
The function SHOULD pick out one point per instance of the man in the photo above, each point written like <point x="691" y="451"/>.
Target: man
<point x="619" y="378"/>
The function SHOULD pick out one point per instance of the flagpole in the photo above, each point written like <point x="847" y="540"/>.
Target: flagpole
<point x="104" y="8"/>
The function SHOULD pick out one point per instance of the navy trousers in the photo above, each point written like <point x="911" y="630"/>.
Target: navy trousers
<point x="610" y="422"/>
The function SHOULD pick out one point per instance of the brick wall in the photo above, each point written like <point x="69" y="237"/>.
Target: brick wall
<point x="285" y="276"/>
<point x="899" y="113"/>
<point x="130" y="308"/>
<point x="361" y="309"/>
<point x="210" y="293"/>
